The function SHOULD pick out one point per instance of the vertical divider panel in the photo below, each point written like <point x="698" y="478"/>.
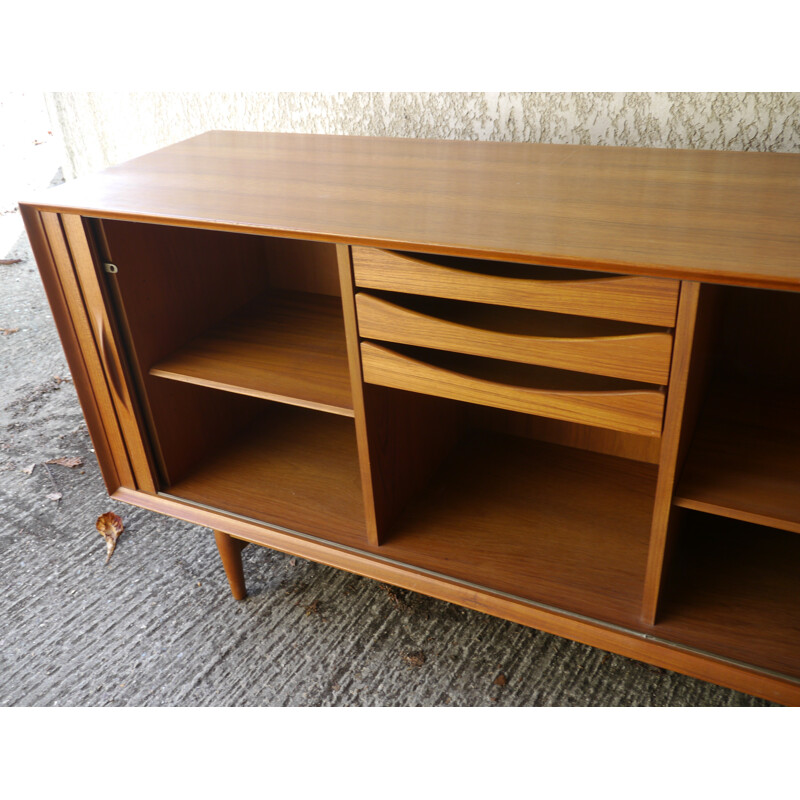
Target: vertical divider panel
<point x="354" y="363"/>
<point x="684" y="399"/>
<point x="402" y="436"/>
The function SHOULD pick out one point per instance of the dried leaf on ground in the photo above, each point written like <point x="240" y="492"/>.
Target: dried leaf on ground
<point x="55" y="496"/>
<point x="29" y="470"/>
<point x="416" y="659"/>
<point x="500" y="680"/>
<point x="71" y="462"/>
<point x="8" y="331"/>
<point x="392" y="594"/>
<point x="7" y="261"/>
<point x="110" y="527"/>
<point x="312" y="609"/>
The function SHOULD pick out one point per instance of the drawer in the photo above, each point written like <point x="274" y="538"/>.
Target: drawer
<point x="570" y="396"/>
<point x="596" y="346"/>
<point x="649" y="301"/>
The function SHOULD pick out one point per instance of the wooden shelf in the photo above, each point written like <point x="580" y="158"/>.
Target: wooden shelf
<point x="744" y="461"/>
<point x="285" y="346"/>
<point x="295" y="468"/>
<point x="548" y="523"/>
<point x="734" y="591"/>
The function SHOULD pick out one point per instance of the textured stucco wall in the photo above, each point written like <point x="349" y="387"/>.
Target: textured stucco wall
<point x="100" y="129"/>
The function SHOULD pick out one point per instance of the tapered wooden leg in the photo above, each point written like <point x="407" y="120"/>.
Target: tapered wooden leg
<point x="230" y="551"/>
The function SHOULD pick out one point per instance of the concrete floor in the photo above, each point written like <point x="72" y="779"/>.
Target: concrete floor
<point x="157" y="625"/>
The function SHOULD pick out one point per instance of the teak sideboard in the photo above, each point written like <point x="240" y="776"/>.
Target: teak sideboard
<point x="558" y="384"/>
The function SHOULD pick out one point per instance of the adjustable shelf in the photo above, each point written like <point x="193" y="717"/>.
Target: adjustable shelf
<point x="284" y="346"/>
<point x="744" y="461"/>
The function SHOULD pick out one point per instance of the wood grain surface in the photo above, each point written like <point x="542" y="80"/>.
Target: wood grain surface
<point x="571" y="396"/>
<point x="286" y="346"/>
<point x="684" y="397"/>
<point x="651" y="301"/>
<point x="293" y="467"/>
<point x="540" y="521"/>
<point x="577" y="541"/>
<point x="704" y="215"/>
<point x="733" y="591"/>
<point x="626" y="642"/>
<point x="109" y="345"/>
<point x="230" y="553"/>
<point x="583" y="344"/>
<point x="572" y="434"/>
<point x="744" y="461"/>
<point x="80" y="320"/>
<point x="103" y="428"/>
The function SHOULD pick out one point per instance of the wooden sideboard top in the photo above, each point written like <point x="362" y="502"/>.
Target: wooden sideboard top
<point x="731" y="217"/>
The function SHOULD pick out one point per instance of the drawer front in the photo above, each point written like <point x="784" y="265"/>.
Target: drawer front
<point x="649" y="301"/>
<point x="599" y="347"/>
<point x="487" y="382"/>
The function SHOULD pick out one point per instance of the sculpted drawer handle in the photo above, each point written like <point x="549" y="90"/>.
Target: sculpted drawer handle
<point x="610" y="403"/>
<point x="109" y="363"/>
<point x="627" y="298"/>
<point x="596" y="346"/>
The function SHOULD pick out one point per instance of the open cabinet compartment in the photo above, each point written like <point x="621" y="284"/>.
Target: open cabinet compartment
<point x="236" y="343"/>
<point x="732" y="581"/>
<point x="488" y="501"/>
<point x="744" y="459"/>
<point x="284" y="465"/>
<point x="733" y="590"/>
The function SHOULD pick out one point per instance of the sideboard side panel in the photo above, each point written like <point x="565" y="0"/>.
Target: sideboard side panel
<point x="56" y="270"/>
